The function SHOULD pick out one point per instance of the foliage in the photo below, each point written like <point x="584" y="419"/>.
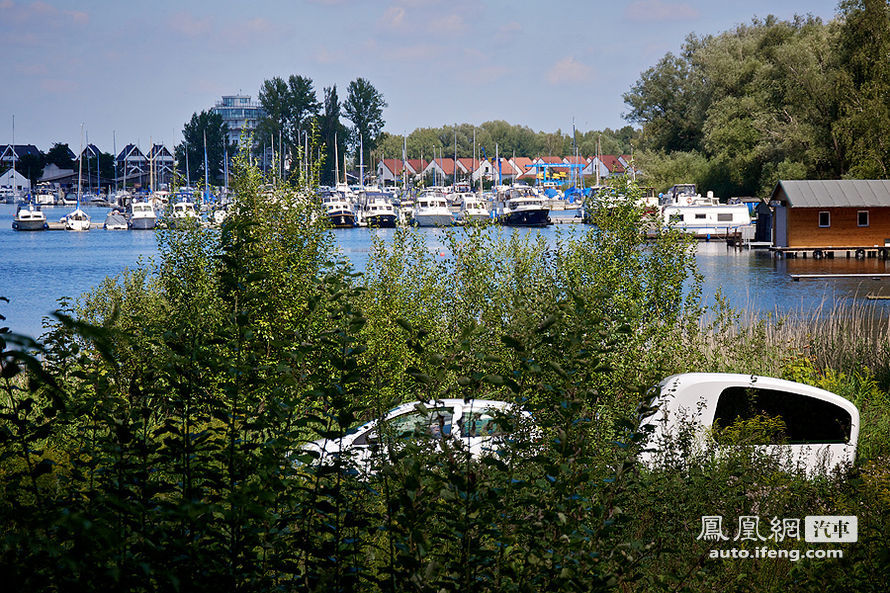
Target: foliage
<point x="31" y="166"/>
<point x="364" y="106"/>
<point x="290" y="107"/>
<point x="61" y="156"/>
<point x="509" y="139"/>
<point x="203" y="128"/>
<point x="155" y="440"/>
<point x="771" y="100"/>
<point x="333" y="134"/>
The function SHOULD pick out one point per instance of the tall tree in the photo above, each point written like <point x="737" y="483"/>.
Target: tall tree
<point x="290" y="108"/>
<point x="193" y="133"/>
<point x="31" y="166"/>
<point x="61" y="156"/>
<point x="864" y="125"/>
<point x="333" y="133"/>
<point x="364" y="108"/>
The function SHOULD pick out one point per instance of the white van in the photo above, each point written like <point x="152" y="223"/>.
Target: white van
<point x="820" y="430"/>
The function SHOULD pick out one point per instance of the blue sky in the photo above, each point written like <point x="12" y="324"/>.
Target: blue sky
<point x="141" y="69"/>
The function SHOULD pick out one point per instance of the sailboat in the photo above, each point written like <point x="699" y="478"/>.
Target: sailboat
<point x="78" y="220"/>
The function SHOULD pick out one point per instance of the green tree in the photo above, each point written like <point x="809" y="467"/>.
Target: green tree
<point x="333" y="133"/>
<point x="291" y="106"/>
<point x="664" y="101"/>
<point x="61" y="156"/>
<point x="364" y="108"/>
<point x="31" y="166"/>
<point x="864" y="44"/>
<point x="207" y="124"/>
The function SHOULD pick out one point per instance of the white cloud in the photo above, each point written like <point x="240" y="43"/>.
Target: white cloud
<point x="659" y="11"/>
<point x="569" y="70"/>
<point x="189" y="25"/>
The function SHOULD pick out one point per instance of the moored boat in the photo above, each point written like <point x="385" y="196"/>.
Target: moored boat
<point x="431" y="210"/>
<point x="77" y="220"/>
<point x="522" y="206"/>
<point x="29" y="217"/>
<point x="143" y="216"/>
<point x="116" y="221"/>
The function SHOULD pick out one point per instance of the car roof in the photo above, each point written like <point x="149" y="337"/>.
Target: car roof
<point x="689" y="389"/>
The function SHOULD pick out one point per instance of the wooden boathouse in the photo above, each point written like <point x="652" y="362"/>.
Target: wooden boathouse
<point x="834" y="218"/>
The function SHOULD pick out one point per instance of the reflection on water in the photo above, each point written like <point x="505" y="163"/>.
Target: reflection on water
<point x="38" y="268"/>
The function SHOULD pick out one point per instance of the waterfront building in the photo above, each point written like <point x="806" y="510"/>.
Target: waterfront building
<point x="240" y="114"/>
<point x="15" y="181"/>
<point x="831" y="214"/>
<point x="132" y="167"/>
<point x="163" y="163"/>
<point x="20" y="150"/>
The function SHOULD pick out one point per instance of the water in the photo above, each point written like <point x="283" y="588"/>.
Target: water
<point x="38" y="268"/>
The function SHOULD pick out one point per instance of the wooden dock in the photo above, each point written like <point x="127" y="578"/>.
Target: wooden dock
<point x="832" y="252"/>
<point x="799" y="277"/>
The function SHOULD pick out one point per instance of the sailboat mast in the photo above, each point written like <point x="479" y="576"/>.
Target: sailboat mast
<point x="114" y="149"/>
<point x="454" y="174"/>
<point x="80" y="168"/>
<point x="361" y="161"/>
<point x="336" y="162"/>
<point x="15" y="192"/>
<point x="206" y="172"/>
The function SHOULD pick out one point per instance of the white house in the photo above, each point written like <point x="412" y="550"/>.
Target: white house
<point x="15" y="180"/>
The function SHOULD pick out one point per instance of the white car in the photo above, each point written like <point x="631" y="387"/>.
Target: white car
<point x="820" y="433"/>
<point x="474" y="422"/>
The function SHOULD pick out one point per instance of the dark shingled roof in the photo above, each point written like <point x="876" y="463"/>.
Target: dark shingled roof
<point x="839" y="193"/>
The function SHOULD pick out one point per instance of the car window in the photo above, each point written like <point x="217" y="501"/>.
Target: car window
<point x="806" y="420"/>
<point x="482" y="422"/>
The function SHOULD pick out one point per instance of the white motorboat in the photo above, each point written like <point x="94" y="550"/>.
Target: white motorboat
<point x="378" y="211"/>
<point x="338" y="210"/>
<point x="684" y="209"/>
<point x="184" y="213"/>
<point x="116" y="221"/>
<point x="44" y="195"/>
<point x="143" y="216"/>
<point x="473" y="209"/>
<point x="522" y="206"/>
<point x="29" y="217"/>
<point x="78" y="220"/>
<point x="431" y="209"/>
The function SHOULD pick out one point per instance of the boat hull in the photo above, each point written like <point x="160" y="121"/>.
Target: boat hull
<point x="382" y="221"/>
<point x="30" y="225"/>
<point x="341" y="220"/>
<point x="431" y="220"/>
<point x="143" y="224"/>
<point x="526" y="218"/>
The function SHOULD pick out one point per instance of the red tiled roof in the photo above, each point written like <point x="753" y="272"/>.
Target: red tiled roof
<point x="612" y="163"/>
<point x="575" y="160"/>
<point x="417" y="165"/>
<point x="394" y="165"/>
<point x="470" y="164"/>
<point x="550" y="160"/>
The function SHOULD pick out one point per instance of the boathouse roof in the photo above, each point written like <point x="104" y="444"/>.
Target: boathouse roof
<point x="837" y="193"/>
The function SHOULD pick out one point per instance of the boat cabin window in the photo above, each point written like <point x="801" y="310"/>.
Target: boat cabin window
<point x="724" y="217"/>
<point x="862" y="218"/>
<point x="804" y="419"/>
<point x="824" y="218"/>
<point x="700" y="216"/>
<point x="677" y="218"/>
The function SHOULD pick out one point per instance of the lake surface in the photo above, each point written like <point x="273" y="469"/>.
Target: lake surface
<point x="38" y="268"/>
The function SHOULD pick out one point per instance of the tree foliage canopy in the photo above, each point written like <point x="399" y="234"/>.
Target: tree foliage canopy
<point x="774" y="100"/>
<point x="364" y="108"/>
<point x="211" y="124"/>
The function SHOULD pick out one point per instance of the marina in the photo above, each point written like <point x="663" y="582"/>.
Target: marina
<point x="40" y="268"/>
